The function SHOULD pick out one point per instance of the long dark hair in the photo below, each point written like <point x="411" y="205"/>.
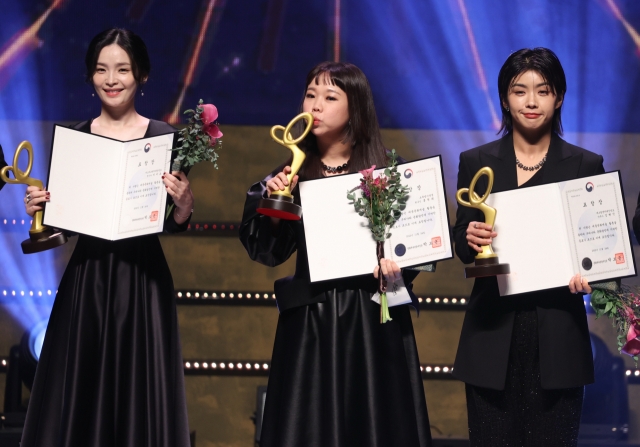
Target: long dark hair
<point x="362" y="132"/>
<point x="541" y="60"/>
<point x="129" y="42"/>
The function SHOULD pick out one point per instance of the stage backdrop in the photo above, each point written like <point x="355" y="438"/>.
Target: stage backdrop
<point x="432" y="65"/>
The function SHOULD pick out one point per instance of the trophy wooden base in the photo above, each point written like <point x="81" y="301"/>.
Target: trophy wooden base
<point x="486" y="267"/>
<point x="42" y="241"/>
<point x="281" y="207"/>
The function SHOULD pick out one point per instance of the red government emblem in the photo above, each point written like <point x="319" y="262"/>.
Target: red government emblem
<point x="154" y="216"/>
<point x="436" y="242"/>
<point x="619" y="258"/>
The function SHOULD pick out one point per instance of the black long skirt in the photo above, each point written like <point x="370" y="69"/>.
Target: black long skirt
<point x="339" y="378"/>
<point x="110" y="371"/>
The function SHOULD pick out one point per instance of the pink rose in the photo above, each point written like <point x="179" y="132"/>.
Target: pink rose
<point x="213" y="131"/>
<point x="368" y="173"/>
<point x="632" y="346"/>
<point x="209" y="113"/>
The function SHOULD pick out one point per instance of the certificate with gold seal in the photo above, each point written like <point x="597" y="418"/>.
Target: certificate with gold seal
<point x="107" y="188"/>
<point x="549" y="233"/>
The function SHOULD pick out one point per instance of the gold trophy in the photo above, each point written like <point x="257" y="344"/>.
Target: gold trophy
<point x="487" y="263"/>
<point x="41" y="238"/>
<point x="280" y="203"/>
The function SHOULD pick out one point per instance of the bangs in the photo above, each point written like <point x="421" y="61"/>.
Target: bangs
<point x="540" y="70"/>
<point x="328" y="76"/>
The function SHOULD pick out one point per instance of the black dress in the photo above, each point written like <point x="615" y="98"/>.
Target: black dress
<point x="110" y="372"/>
<point x="338" y="377"/>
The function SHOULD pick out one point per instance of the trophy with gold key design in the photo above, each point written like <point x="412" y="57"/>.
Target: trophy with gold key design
<point x="41" y="238"/>
<point x="487" y="263"/>
<point x="280" y="203"/>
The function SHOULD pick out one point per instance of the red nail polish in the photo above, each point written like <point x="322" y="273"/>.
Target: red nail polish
<point x="163" y="177"/>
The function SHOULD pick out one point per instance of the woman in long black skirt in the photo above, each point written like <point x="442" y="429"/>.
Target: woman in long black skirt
<point x="110" y="373"/>
<point x="339" y="378"/>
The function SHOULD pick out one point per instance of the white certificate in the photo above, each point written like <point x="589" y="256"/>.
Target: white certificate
<point x="339" y="241"/>
<point x="549" y="233"/>
<point x="107" y="188"/>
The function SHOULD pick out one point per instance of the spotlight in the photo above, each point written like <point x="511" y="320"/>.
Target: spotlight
<point x="36" y="339"/>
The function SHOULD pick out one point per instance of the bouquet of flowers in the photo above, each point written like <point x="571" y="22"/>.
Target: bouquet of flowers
<point x="381" y="201"/>
<point x="620" y="303"/>
<point x="200" y="139"/>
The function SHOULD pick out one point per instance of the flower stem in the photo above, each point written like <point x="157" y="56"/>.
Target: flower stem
<point x="384" y="309"/>
<point x="382" y="285"/>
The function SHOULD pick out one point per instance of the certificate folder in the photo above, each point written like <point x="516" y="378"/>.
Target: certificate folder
<point x="107" y="188"/>
<point x="548" y="233"/>
<point x="339" y="241"/>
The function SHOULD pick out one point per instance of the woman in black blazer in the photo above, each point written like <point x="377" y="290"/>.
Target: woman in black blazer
<point x="524" y="358"/>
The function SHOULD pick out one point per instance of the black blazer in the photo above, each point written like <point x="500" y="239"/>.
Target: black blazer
<point x="2" y="165"/>
<point x="483" y="352"/>
<point x="636" y="221"/>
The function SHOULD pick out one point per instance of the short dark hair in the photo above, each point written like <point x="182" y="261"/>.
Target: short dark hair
<point x="362" y="132"/>
<point x="541" y="60"/>
<point x="129" y="42"/>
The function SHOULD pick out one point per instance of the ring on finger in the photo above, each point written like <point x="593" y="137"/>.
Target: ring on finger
<point x="475" y="225"/>
<point x="28" y="198"/>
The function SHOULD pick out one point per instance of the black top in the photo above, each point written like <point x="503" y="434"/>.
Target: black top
<point x="154" y="129"/>
<point x="483" y="352"/>
<point x="535" y="180"/>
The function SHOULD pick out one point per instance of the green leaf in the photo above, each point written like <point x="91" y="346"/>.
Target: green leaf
<point x="608" y="307"/>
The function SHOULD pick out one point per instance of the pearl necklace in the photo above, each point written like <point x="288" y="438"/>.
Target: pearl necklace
<point x="534" y="167"/>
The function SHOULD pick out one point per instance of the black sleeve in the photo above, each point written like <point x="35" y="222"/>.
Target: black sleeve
<point x="464" y="215"/>
<point x="170" y="224"/>
<point x="264" y="243"/>
<point x="2" y="165"/>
